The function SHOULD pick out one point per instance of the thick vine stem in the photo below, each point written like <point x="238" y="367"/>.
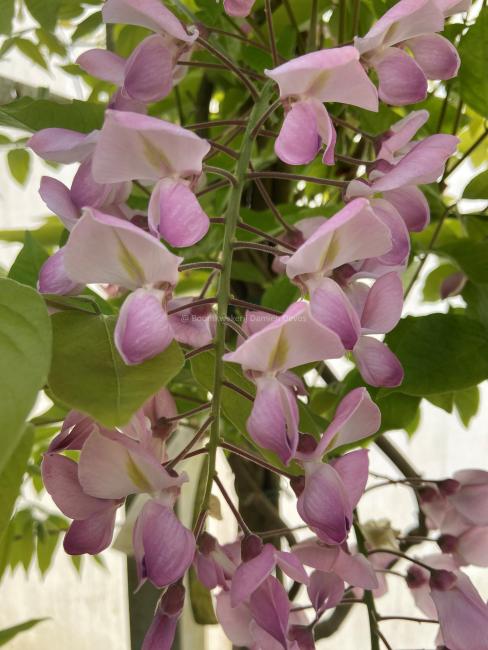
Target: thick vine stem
<point x="231" y="220"/>
<point x="368" y="595"/>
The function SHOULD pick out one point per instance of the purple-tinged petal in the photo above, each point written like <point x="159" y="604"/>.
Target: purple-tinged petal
<point x="146" y="13"/>
<point x="401" y="80"/>
<point x="168" y="546"/>
<point x="54" y="279"/>
<point x="149" y="71"/>
<point x="383" y="306"/>
<point x="324" y="504"/>
<point x="331" y="307"/>
<point x="353" y="233"/>
<point x="352" y="469"/>
<point x="176" y="215"/>
<point x="437" y="56"/>
<point x="162" y="630"/>
<point x="92" y="535"/>
<point x="400" y="134"/>
<point x="103" y="64"/>
<point x="105" y="249"/>
<point x="63" y="145"/>
<point x="356" y="570"/>
<point x="453" y="285"/>
<point x="357" y="417"/>
<point x="116" y="466"/>
<point x="235" y="621"/>
<point x="291" y="565"/>
<point x="120" y="101"/>
<point x="74" y="432"/>
<point x="472" y="546"/>
<point x="87" y="193"/>
<point x="325" y="591"/>
<point x="299" y="141"/>
<point x="328" y="135"/>
<point x="406" y="19"/>
<point x="451" y="7"/>
<point x="400" y="250"/>
<point x="192" y="326"/>
<point x="411" y="205"/>
<point x="424" y="163"/>
<point x="58" y="199"/>
<point x="272" y="349"/>
<point x="332" y="75"/>
<point x="471" y="500"/>
<point x="238" y="8"/>
<point x="60" y="478"/>
<point x="133" y="146"/>
<point x="377" y="363"/>
<point x="317" y="555"/>
<point x="273" y="423"/>
<point x="143" y="329"/>
<point x="251" y="574"/>
<point x="270" y="609"/>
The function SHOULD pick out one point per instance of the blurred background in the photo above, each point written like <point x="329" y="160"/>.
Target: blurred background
<point x="85" y="604"/>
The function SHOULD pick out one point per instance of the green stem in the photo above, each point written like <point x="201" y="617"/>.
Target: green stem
<point x="312" y="34"/>
<point x="368" y="596"/>
<point x="231" y="220"/>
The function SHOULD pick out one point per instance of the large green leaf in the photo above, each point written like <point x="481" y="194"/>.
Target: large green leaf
<point x="25" y="353"/>
<point x="477" y="188"/>
<point x="45" y="12"/>
<point x="440" y="353"/>
<point x="28" y="262"/>
<point x="88" y="373"/>
<point x="9" y="633"/>
<point x="472" y="257"/>
<point x="11" y="476"/>
<point x="473" y="51"/>
<point x="35" y="114"/>
<point x="6" y="16"/>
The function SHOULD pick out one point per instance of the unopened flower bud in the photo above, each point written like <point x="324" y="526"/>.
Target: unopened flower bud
<point x="251" y="547"/>
<point x="306" y="443"/>
<point x="448" y="487"/>
<point x="416" y="577"/>
<point x="442" y="580"/>
<point x="427" y="494"/>
<point x="447" y="543"/>
<point x="206" y="543"/>
<point x="297" y="484"/>
<point x="173" y="600"/>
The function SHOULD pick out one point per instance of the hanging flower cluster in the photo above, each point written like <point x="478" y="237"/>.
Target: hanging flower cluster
<point x="348" y="268"/>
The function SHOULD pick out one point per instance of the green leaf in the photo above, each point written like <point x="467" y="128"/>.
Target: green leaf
<point x="472" y="258"/>
<point x="47" y="541"/>
<point x="476" y="297"/>
<point x="28" y="262"/>
<point x="88" y="373"/>
<point x="477" y="188"/>
<point x="11" y="477"/>
<point x="44" y="11"/>
<point x="473" y="51"/>
<point x="444" y="401"/>
<point x="280" y="294"/>
<point x="433" y="282"/>
<point x="25" y="353"/>
<point x="200" y="600"/>
<point x="397" y="411"/>
<point x="88" y="25"/>
<point x="440" y="353"/>
<point x="35" y="114"/>
<point x="31" y="51"/>
<point x="7" y="16"/>
<point x="246" y="272"/>
<point x="467" y="403"/>
<point x="9" y="633"/>
<point x="19" y="164"/>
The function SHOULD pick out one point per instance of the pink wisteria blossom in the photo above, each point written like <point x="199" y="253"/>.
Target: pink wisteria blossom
<point x="238" y="8"/>
<point x="306" y="83"/>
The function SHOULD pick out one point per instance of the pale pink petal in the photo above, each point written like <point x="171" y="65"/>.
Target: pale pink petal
<point x="60" y="478"/>
<point x="332" y="75"/>
<point x="251" y="574"/>
<point x="400" y="134"/>
<point x="471" y="501"/>
<point x="176" y="215"/>
<point x="291" y="565"/>
<point x="235" y="621"/>
<point x="331" y="307"/>
<point x="472" y="546"/>
<point x="273" y="423"/>
<point x="114" y="467"/>
<point x="58" y="199"/>
<point x="401" y="80"/>
<point x="168" y="546"/>
<point x="54" y="279"/>
<point x="149" y="70"/>
<point x="146" y="13"/>
<point x="356" y="570"/>
<point x="270" y="609"/>
<point x="328" y="135"/>
<point x="384" y="304"/>
<point x="377" y="363"/>
<point x="354" y="233"/>
<point x="400" y="250"/>
<point x="273" y="350"/>
<point x="75" y="430"/>
<point x="298" y="141"/>
<point x="317" y="555"/>
<point x="352" y="469"/>
<point x="91" y="535"/>
<point x="238" y="8"/>
<point x="63" y="145"/>
<point x="105" y="249"/>
<point x="437" y="56"/>
<point x="192" y="326"/>
<point x="103" y="64"/>
<point x="406" y="19"/>
<point x="133" y="146"/>
<point x="424" y="163"/>
<point x="412" y="206"/>
<point x="325" y="590"/>
<point x="451" y="7"/>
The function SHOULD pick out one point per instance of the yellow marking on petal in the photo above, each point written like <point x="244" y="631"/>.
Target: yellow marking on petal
<point x="330" y="252"/>
<point x="130" y="262"/>
<point x="136" y="476"/>
<point x="156" y="156"/>
<point x="317" y="83"/>
<point x="278" y="355"/>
